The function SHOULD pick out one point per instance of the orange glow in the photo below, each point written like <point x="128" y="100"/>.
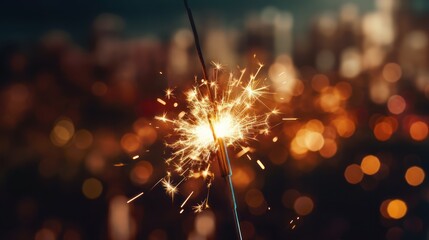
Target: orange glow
<point x="303" y="205"/>
<point x="329" y="149"/>
<point x="315" y="125"/>
<point x="353" y="174"/>
<point x="205" y="223"/>
<point x="254" y="198"/>
<point x="92" y="188"/>
<point x="344" y="89"/>
<point x="62" y="132"/>
<point x="396" y="209"/>
<point x="45" y="234"/>
<point x="392" y="121"/>
<point x="396" y="104"/>
<point x="319" y="82"/>
<point x="370" y="165"/>
<point x="330" y="99"/>
<point x="415" y="176"/>
<point x="296" y="149"/>
<point x="299" y="88"/>
<point x="83" y="139"/>
<point x="383" y="131"/>
<point x="379" y="91"/>
<point x="392" y="72"/>
<point x="314" y="141"/>
<point x="147" y="134"/>
<point x="383" y="208"/>
<point x="419" y="131"/>
<point x="345" y="127"/>
<point x="130" y="142"/>
<point x="243" y="176"/>
<point x="141" y="172"/>
<point x="99" y="88"/>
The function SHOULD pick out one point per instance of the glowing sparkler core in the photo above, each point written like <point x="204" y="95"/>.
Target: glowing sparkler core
<point x="236" y="120"/>
<point x="224" y="115"/>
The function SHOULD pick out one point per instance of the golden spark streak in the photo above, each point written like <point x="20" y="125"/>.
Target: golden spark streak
<point x="168" y="93"/>
<point x="242" y="152"/>
<point x="261" y="165"/>
<point x="161" y="101"/>
<point x="135" y="157"/>
<point x="184" y="202"/>
<point x="227" y="108"/>
<point x="135" y="197"/>
<point x="289" y="119"/>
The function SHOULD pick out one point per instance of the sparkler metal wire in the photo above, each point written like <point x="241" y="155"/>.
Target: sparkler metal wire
<point x="222" y="153"/>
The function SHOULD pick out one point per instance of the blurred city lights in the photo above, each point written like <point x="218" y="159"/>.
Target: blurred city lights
<point x="370" y="165"/>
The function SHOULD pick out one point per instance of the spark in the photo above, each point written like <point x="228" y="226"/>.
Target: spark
<point x="242" y="152"/>
<point x="230" y="108"/>
<point x="163" y="118"/>
<point x="118" y="164"/>
<point x="275" y="139"/>
<point x="261" y="165"/>
<point x="289" y="119"/>
<point x="161" y="101"/>
<point x="169" y="93"/>
<point x="181" y="114"/>
<point x="170" y="189"/>
<point x="135" y="197"/>
<point x="135" y="157"/>
<point x="201" y="206"/>
<point x="181" y="211"/>
<point x="198" y="208"/>
<point x="186" y="200"/>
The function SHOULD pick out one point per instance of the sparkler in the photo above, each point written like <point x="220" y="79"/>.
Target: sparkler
<point x="221" y="115"/>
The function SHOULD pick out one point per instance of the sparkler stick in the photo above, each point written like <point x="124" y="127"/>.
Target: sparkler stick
<point x="222" y="151"/>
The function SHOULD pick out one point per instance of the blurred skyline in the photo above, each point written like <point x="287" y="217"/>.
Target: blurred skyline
<point x="25" y="20"/>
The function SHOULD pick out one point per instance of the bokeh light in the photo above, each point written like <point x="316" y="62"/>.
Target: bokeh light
<point x="397" y="209"/>
<point x="370" y="165"/>
<point x="419" y="131"/>
<point x="392" y="72"/>
<point x="329" y="148"/>
<point x="415" y="176"/>
<point x="62" y="132"/>
<point x="396" y="104"/>
<point x="254" y="198"/>
<point x="141" y="172"/>
<point x="205" y="223"/>
<point x="303" y="205"/>
<point x="83" y="139"/>
<point x="383" y="131"/>
<point x="130" y="142"/>
<point x="45" y="234"/>
<point x="353" y="174"/>
<point x="92" y="188"/>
